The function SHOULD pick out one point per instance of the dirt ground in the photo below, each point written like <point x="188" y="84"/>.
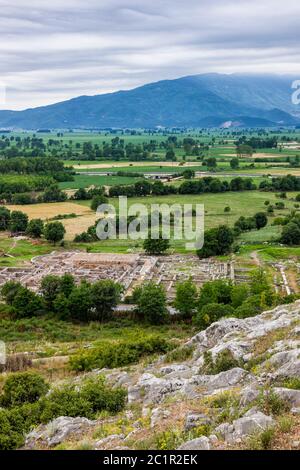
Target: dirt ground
<point x="133" y="164"/>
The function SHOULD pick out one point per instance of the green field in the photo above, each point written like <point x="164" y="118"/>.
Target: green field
<point x="241" y="203"/>
<point x="84" y="181"/>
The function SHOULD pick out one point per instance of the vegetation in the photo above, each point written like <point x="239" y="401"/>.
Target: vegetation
<point x="119" y="354"/>
<point x="17" y="419"/>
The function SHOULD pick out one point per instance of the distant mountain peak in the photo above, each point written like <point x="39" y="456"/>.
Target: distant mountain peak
<point x="211" y="99"/>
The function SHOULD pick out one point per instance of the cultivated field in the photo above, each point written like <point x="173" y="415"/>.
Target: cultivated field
<point x="85" y="217"/>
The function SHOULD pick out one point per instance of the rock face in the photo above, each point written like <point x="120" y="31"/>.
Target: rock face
<point x="202" y="443"/>
<point x="189" y="397"/>
<point x="57" y="431"/>
<point x="252" y="422"/>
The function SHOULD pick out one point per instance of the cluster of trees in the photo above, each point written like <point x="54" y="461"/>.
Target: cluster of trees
<point x="283" y="183"/>
<point x="52" y="193"/>
<point x="204" y="185"/>
<point x="258" y="142"/>
<point x="12" y="184"/>
<point x="219" y="241"/>
<point x="215" y="300"/>
<point x="245" y="224"/>
<point x="37" y="166"/>
<point x="291" y="230"/>
<point x="17" y="221"/>
<point x="25" y="404"/>
<point x="83" y="194"/>
<point x="62" y="297"/>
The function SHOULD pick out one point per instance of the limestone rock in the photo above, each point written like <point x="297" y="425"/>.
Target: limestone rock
<point x="193" y="420"/>
<point x="292" y="397"/>
<point x="57" y="431"/>
<point x="201" y="443"/>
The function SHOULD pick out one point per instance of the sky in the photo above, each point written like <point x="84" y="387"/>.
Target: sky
<point x="54" y="50"/>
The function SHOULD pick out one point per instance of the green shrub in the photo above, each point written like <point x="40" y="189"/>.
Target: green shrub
<point x="293" y="383"/>
<point x="180" y="354"/>
<point x="119" y="354"/>
<point x="211" y="313"/>
<point x="270" y="403"/>
<point x="222" y="362"/>
<point x="93" y="397"/>
<point x="102" y="397"/>
<point x="262" y="441"/>
<point x="9" y="438"/>
<point x="65" y="402"/>
<point x="23" y="387"/>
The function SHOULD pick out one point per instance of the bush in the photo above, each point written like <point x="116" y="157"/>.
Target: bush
<point x="151" y="304"/>
<point x="27" y="304"/>
<point x="293" y="383"/>
<point x="23" y="387"/>
<point x="93" y="397"/>
<point x="54" y="232"/>
<point x="9" y="438"/>
<point x="118" y="354"/>
<point x="35" y="228"/>
<point x="211" y="313"/>
<point x="222" y="362"/>
<point x="271" y="403"/>
<point x="250" y="307"/>
<point x="218" y="241"/>
<point x="186" y="298"/>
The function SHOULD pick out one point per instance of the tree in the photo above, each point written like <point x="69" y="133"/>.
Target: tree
<point x="170" y="155"/>
<point x="151" y="305"/>
<point x="97" y="201"/>
<point x="210" y="162"/>
<point x="9" y="290"/>
<point x="291" y="234"/>
<point x="239" y="294"/>
<point x="211" y="313"/>
<point x="186" y="298"/>
<point x="50" y="288"/>
<point x="234" y="163"/>
<point x="105" y="296"/>
<point x="67" y="284"/>
<point x="4" y="218"/>
<point x="261" y="220"/>
<point x="80" y="303"/>
<point x="244" y="150"/>
<point x="54" y="194"/>
<point x="218" y="291"/>
<point x="156" y="246"/>
<point x="188" y="174"/>
<point x="217" y="241"/>
<point x="35" y="228"/>
<point x="27" y="304"/>
<point x="18" y="221"/>
<point x="54" y="232"/>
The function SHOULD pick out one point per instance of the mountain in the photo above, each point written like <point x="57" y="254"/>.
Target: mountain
<point x="208" y="100"/>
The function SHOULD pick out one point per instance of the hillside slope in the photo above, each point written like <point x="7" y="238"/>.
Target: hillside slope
<point x="195" y="101"/>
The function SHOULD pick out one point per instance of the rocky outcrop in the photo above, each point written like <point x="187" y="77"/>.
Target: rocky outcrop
<point x="57" y="431"/>
<point x="265" y="353"/>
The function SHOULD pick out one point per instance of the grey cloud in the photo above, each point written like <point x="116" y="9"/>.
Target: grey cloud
<point x="51" y="51"/>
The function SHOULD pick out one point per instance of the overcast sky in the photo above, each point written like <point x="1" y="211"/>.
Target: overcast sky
<point x="52" y="50"/>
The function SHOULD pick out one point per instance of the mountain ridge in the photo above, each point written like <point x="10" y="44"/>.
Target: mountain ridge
<point x="207" y="100"/>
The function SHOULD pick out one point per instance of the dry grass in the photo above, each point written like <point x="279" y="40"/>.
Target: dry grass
<point x="73" y="226"/>
<point x="50" y="210"/>
<point x="132" y="164"/>
<point x="80" y="224"/>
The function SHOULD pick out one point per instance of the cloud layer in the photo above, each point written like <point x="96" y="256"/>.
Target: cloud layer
<point x="52" y="51"/>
